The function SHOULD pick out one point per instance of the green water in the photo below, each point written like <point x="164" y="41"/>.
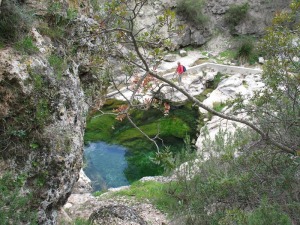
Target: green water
<point x="173" y="128"/>
<point x="105" y="165"/>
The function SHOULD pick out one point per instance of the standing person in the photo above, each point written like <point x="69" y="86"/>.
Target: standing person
<point x="179" y="72"/>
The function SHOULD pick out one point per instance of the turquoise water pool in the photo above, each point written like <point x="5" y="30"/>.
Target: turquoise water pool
<point x="105" y="165"/>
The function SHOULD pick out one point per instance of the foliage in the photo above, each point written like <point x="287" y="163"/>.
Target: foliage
<point x="193" y="10"/>
<point x="58" y="63"/>
<point x="246" y="51"/>
<point x="268" y="214"/>
<point x="42" y="111"/>
<point x="58" y="15"/>
<point x="26" y="45"/>
<point x="55" y="33"/>
<point x="235" y="14"/>
<point x="201" y="97"/>
<point x="15" y="21"/>
<point x="14" y="207"/>
<point x="57" y="20"/>
<point x="276" y="108"/>
<point x="96" y="5"/>
<point x="218" y="106"/>
<point x="234" y="190"/>
<point x="228" y="54"/>
<point x="169" y="160"/>
<point x="151" y="190"/>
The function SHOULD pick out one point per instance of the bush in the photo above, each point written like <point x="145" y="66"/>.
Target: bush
<point x="268" y="214"/>
<point x="246" y="51"/>
<point x="229" y="190"/>
<point x="235" y="14"/>
<point x="14" y="206"/>
<point x="15" y="21"/>
<point x="58" y="63"/>
<point x="57" y="20"/>
<point x="153" y="191"/>
<point x="192" y="9"/>
<point x="26" y="45"/>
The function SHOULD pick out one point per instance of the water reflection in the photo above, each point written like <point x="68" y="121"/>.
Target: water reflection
<point x="105" y="165"/>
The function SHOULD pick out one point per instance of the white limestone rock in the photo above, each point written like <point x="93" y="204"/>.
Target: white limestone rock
<point x="183" y="53"/>
<point x="170" y="58"/>
<point x="261" y="60"/>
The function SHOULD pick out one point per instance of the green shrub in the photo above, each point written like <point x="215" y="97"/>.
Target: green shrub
<point x="227" y="183"/>
<point x="15" y="21"/>
<point x="228" y="54"/>
<point x="58" y="15"/>
<point x="58" y="63"/>
<point x="81" y="221"/>
<point x="57" y="20"/>
<point x="56" y="33"/>
<point x="192" y="9"/>
<point x="243" y="50"/>
<point x="235" y="14"/>
<point x="218" y="106"/>
<point x="14" y="206"/>
<point x="26" y="45"/>
<point x="268" y="214"/>
<point x="42" y="111"/>
<point x="96" y="4"/>
<point x="156" y="192"/>
<point x="246" y="51"/>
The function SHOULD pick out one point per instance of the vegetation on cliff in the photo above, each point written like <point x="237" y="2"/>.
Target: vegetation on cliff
<point x="258" y="187"/>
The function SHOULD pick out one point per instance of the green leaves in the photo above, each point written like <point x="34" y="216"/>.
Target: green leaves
<point x="193" y="10"/>
<point x="14" y="203"/>
<point x="26" y="46"/>
<point x="235" y="14"/>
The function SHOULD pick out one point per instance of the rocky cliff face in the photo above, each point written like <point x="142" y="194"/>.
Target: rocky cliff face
<point x="43" y="105"/>
<point x="42" y="125"/>
<point x="257" y="18"/>
<point x="42" y="111"/>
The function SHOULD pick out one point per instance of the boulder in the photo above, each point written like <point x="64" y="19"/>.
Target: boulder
<point x="183" y="53"/>
<point x="261" y="60"/>
<point x="170" y="58"/>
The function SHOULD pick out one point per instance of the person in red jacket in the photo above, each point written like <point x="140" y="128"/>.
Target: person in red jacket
<point x="179" y="72"/>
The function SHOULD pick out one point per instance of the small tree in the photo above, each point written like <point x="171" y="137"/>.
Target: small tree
<point x="193" y="10"/>
<point x="235" y="14"/>
<point x="140" y="48"/>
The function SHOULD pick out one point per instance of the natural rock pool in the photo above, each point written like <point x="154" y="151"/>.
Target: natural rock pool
<point x="112" y="165"/>
<point x="105" y="165"/>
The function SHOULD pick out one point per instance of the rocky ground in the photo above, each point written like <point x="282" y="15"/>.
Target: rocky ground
<point x="119" y="210"/>
<point x="108" y="209"/>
